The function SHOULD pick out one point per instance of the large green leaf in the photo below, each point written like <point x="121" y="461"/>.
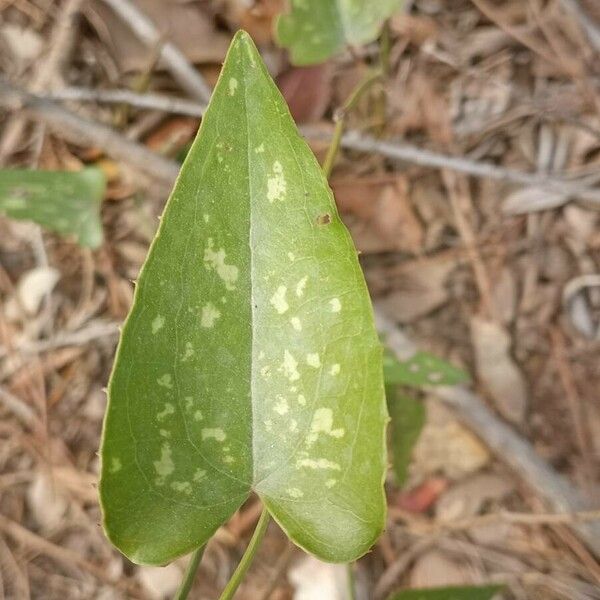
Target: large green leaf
<point x="67" y="202"/>
<point x="249" y="361"/>
<point x="450" y="593"/>
<point x="314" y="30"/>
<point x="407" y="418"/>
<point x="420" y="370"/>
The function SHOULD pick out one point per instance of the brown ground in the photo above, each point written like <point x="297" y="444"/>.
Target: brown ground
<point x="497" y="277"/>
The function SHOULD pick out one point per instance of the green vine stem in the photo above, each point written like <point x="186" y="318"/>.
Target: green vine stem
<point x="340" y="119"/>
<point x="351" y="581"/>
<point x="247" y="558"/>
<point x="190" y="573"/>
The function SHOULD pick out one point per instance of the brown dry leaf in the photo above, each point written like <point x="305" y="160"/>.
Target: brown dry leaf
<point x="379" y="214"/>
<point x="467" y="498"/>
<point x="46" y="501"/>
<point x="496" y="369"/>
<point x="420" y="107"/>
<point x="504" y="295"/>
<point x="532" y="199"/>
<point x="421" y="498"/>
<point x="437" y="569"/>
<point x="187" y="25"/>
<point x="419" y="288"/>
<point x="160" y="583"/>
<point x="255" y="17"/>
<point x="417" y="28"/>
<point x="446" y="446"/>
<point x="307" y="90"/>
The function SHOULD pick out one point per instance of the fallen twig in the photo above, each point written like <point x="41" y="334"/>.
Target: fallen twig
<point x="179" y="66"/>
<point x="558" y="493"/>
<point x="400" y="151"/>
<point x="80" y="130"/>
<point x="160" y="102"/>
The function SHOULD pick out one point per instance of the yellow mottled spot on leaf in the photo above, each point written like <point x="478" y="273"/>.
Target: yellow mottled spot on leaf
<point x="216" y="261"/>
<point x="293" y="425"/>
<point x="300" y="286"/>
<point x="199" y="475"/>
<point x="164" y="433"/>
<point x="165" y="381"/>
<point x="259" y="149"/>
<point x="210" y="313"/>
<point x="184" y="487"/>
<point x="188" y="352"/>
<point x="281" y="406"/>
<point x="215" y="433"/>
<point x="330" y="483"/>
<point x="336" y="305"/>
<point x="322" y="422"/>
<point x="276" y="184"/>
<point x="290" y="366"/>
<point x="233" y="85"/>
<point x="278" y="300"/>
<point x="268" y="424"/>
<point x="291" y="256"/>
<point x="296" y="323"/>
<point x="165" y="466"/>
<point x="317" y="463"/>
<point x="295" y="493"/>
<point x="168" y="409"/>
<point x="157" y="324"/>
<point x="335" y="369"/>
<point x="115" y="465"/>
<point x="313" y="360"/>
<point x="301" y="400"/>
<point x="198" y="416"/>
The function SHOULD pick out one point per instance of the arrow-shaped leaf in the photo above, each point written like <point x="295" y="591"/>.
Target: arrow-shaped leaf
<point x="249" y="361"/>
<point x="314" y="30"/>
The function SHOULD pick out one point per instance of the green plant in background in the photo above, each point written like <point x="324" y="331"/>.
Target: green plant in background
<point x="315" y="30"/>
<point x="407" y="414"/>
<point x="67" y="202"/>
<point x="450" y="593"/>
<point x="249" y="361"/>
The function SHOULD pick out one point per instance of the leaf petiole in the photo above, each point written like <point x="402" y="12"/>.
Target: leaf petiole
<point x="248" y="557"/>
<point x="190" y="574"/>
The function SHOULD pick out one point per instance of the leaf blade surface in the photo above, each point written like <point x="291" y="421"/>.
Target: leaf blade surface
<point x="249" y="360"/>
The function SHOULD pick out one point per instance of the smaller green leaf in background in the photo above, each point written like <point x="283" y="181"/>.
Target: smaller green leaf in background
<point x="67" y="202"/>
<point x="449" y="593"/>
<point x="407" y="418"/>
<point x="315" y="30"/>
<point x="420" y="370"/>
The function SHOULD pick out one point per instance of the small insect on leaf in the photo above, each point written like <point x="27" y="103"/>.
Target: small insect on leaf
<point x="249" y="361"/>
<point x="315" y="30"/>
<point x="450" y="593"/>
<point x="67" y="202"/>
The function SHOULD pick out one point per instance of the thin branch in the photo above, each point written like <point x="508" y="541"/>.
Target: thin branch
<point x="585" y="22"/>
<point x="160" y="102"/>
<point x="80" y="130"/>
<point x="406" y="152"/>
<point x="179" y="66"/>
<point x="560" y="495"/>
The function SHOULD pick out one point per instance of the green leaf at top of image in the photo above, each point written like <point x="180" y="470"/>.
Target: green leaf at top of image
<point x="449" y="593"/>
<point x="67" y="202"/>
<point x="407" y="418"/>
<point x="420" y="370"/>
<point x="249" y="361"/>
<point x="315" y="30"/>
